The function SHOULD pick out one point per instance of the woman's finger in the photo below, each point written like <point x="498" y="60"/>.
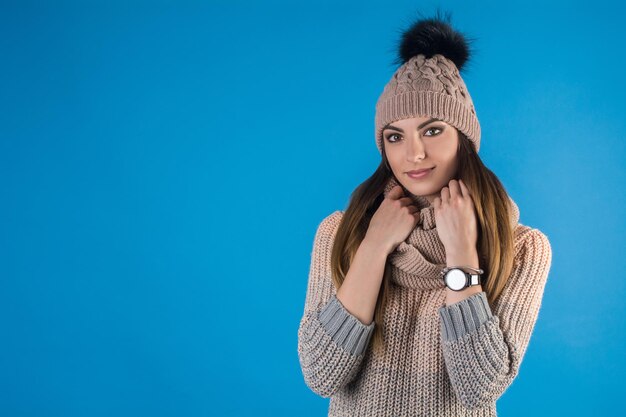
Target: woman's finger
<point x="464" y="189"/>
<point x="454" y="189"/>
<point x="406" y="201"/>
<point x="445" y="195"/>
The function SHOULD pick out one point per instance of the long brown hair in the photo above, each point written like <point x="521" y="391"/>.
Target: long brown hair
<point x="495" y="235"/>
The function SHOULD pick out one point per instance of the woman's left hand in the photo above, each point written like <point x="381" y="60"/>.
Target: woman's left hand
<point x="456" y="218"/>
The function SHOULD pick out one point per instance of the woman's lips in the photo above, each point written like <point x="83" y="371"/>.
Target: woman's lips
<point x="421" y="174"/>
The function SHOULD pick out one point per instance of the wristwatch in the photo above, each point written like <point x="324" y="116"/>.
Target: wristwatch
<point x="457" y="279"/>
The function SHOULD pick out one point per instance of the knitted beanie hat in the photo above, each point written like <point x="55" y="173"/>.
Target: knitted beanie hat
<point x="428" y="82"/>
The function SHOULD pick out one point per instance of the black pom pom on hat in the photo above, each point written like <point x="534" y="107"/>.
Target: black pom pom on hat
<point x="430" y="36"/>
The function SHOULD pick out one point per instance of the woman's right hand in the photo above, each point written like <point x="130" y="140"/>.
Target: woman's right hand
<point x="393" y="221"/>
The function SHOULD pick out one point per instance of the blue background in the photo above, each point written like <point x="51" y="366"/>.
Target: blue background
<point x="165" y="166"/>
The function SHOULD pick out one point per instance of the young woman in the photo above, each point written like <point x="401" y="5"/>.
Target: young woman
<point x="423" y="294"/>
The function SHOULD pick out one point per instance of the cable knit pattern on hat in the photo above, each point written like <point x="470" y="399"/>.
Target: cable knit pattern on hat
<point x="427" y="86"/>
<point x="454" y="360"/>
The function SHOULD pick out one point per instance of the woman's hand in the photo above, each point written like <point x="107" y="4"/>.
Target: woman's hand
<point x="455" y="216"/>
<point x="393" y="221"/>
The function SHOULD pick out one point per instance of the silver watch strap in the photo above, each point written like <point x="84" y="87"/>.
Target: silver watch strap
<point x="464" y="267"/>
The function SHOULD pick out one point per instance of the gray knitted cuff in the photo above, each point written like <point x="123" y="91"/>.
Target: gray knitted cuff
<point x="344" y="328"/>
<point x="464" y="316"/>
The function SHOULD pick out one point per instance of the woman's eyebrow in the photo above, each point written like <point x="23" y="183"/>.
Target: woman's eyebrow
<point x="433" y="119"/>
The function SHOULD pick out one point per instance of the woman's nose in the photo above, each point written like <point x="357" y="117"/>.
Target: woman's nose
<point x="415" y="149"/>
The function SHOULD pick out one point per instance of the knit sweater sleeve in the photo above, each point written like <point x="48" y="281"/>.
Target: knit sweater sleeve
<point x="483" y="347"/>
<point x="331" y="341"/>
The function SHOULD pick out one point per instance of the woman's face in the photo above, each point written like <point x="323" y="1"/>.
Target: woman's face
<point x="422" y="142"/>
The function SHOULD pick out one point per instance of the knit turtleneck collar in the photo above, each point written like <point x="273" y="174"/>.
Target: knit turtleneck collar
<point x="417" y="261"/>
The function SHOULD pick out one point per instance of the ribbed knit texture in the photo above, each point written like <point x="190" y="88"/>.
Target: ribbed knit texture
<point x="427" y="86"/>
<point x="454" y="360"/>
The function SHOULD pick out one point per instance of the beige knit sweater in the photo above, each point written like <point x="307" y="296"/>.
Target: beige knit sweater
<point x="454" y="360"/>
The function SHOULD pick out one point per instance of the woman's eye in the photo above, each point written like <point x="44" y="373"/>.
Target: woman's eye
<point x="433" y="128"/>
<point x="390" y="136"/>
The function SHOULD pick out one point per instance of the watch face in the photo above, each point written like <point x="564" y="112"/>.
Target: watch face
<point x="455" y="279"/>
